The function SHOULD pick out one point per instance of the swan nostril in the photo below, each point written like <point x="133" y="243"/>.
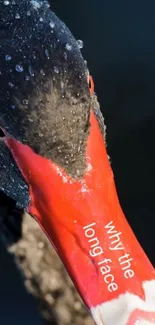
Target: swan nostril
<point x="91" y="85"/>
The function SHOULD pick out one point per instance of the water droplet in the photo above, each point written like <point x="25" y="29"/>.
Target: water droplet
<point x="52" y="24"/>
<point x="11" y="85"/>
<point x="17" y="16"/>
<point x="56" y="70"/>
<point x="41" y="19"/>
<point x="42" y="72"/>
<point x="7" y="57"/>
<point x="80" y="44"/>
<point x="47" y="5"/>
<point x="68" y="46"/>
<point x="27" y="78"/>
<point x="40" y="245"/>
<point x="85" y="62"/>
<point x="59" y="149"/>
<point x="34" y="56"/>
<point x="36" y="4"/>
<point x="30" y="119"/>
<point x="19" y="68"/>
<point x="13" y="106"/>
<point x="25" y="102"/>
<point x="47" y="54"/>
<point x="65" y="55"/>
<point x="6" y="2"/>
<point x="31" y="71"/>
<point x="28" y="13"/>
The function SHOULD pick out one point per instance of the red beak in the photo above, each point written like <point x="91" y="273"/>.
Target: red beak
<point x="84" y="222"/>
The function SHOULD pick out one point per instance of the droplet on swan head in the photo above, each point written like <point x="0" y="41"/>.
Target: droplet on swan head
<point x="11" y="85"/>
<point x="25" y="102"/>
<point x="17" y="16"/>
<point x="13" y="106"/>
<point x="36" y="4"/>
<point x="6" y="2"/>
<point x="19" y="68"/>
<point x="27" y="78"/>
<point x="68" y="47"/>
<point x="56" y="69"/>
<point x="80" y="44"/>
<point x="47" y="54"/>
<point x="42" y="72"/>
<point x="65" y="55"/>
<point x="8" y="57"/>
<point x="31" y="71"/>
<point x="52" y="24"/>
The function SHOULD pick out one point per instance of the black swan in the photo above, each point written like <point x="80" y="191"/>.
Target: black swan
<point x="53" y="162"/>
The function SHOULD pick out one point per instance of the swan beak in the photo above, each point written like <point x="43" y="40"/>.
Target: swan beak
<point x="85" y="224"/>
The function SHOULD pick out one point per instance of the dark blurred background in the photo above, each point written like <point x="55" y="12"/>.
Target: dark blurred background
<point x="119" y="45"/>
